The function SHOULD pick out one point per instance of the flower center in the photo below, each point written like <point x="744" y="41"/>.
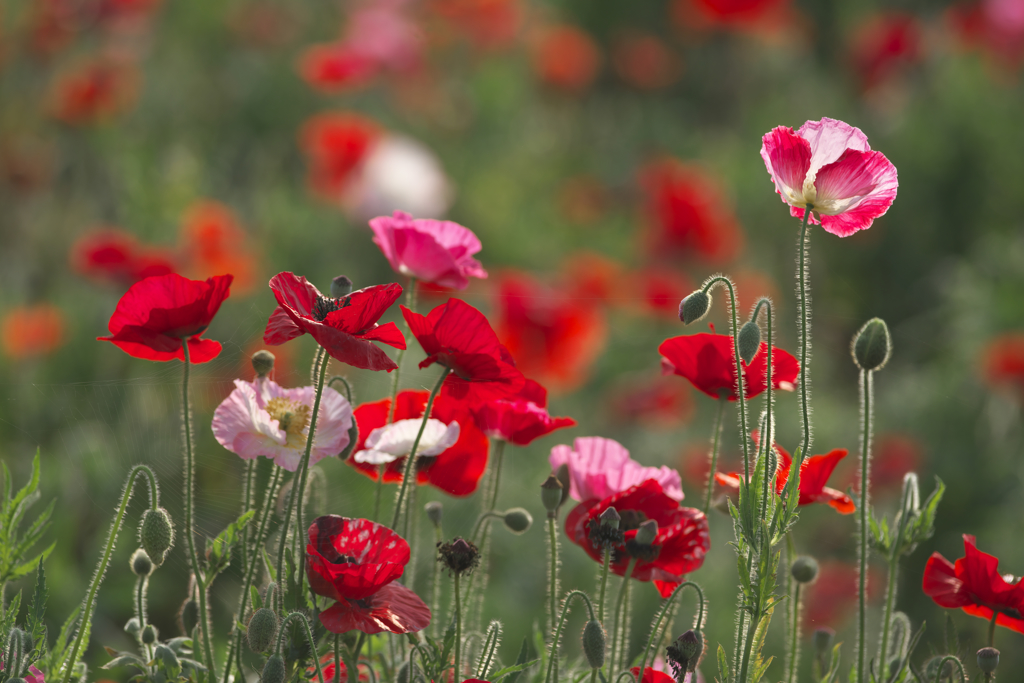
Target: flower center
<point x="291" y="416"/>
<point x="325" y="305"/>
<point x="631" y="519"/>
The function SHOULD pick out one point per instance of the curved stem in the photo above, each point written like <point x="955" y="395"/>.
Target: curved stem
<point x="805" y="323"/>
<point x="566" y="603"/>
<point x="866" y="390"/>
<point x="309" y="638"/>
<point x="942" y="665"/>
<point x="716" y="436"/>
<point x="409" y="473"/>
<point x="344" y="383"/>
<point x="618" y="615"/>
<point x="664" y="611"/>
<point x="479" y="524"/>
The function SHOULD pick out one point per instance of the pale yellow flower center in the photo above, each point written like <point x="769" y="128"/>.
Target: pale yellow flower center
<point x="292" y="416"/>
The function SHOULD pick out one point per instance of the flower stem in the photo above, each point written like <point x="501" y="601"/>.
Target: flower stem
<point x="499" y="452"/>
<point x="890" y="591"/>
<point x="552" y="572"/>
<point x="805" y="345"/>
<point x="299" y="616"/>
<point x="664" y="611"/>
<point x="716" y="437"/>
<point x="409" y="473"/>
<point x="458" y="631"/>
<point x="867" y="392"/>
<point x="942" y="665"/>
<point x="380" y="489"/>
<point x="604" y="582"/>
<point x="794" y="634"/>
<point x="141" y="584"/>
<point x="992" y="629"/>
<point x="337" y="658"/>
<point x="550" y="677"/>
<point x="616" y="621"/>
<point x="247" y="492"/>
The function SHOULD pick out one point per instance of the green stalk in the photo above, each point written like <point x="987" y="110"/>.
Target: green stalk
<point x="499" y="452"/>
<point x="866" y="391"/>
<point x="992" y="629"/>
<point x="716" y="436"/>
<point x="337" y="658"/>
<point x="553" y="655"/>
<point x="794" y="635"/>
<point x="890" y="590"/>
<point x="805" y="344"/>
<point x="435" y="591"/>
<point x="604" y="581"/>
<point x="380" y="489"/>
<point x="665" y="606"/>
<point x="942" y="664"/>
<point x="140" y="608"/>
<point x="458" y="631"/>
<point x="309" y="638"/>
<point x="612" y="660"/>
<point x="552" y="572"/>
<point x="247" y="492"/>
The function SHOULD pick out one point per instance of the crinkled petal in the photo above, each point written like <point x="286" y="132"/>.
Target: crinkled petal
<point x="281" y="327"/>
<point x="363" y="308"/>
<point x="394" y="608"/>
<point x="829" y="138"/>
<point x="788" y="158"/>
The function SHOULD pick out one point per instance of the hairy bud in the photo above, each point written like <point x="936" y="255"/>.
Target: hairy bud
<point x="804" y="569"/>
<point x="341" y="286"/>
<point x="273" y="670"/>
<point x="141" y="564"/>
<point x="988" y="659"/>
<point x="872" y="345"/>
<point x="749" y="340"/>
<point x="435" y="511"/>
<point x="262" y="362"/>
<point x="189" y="616"/>
<point x="156" y="534"/>
<point x="133" y="627"/>
<point x="593" y="643"/>
<point x="647" y="532"/>
<point x="262" y="629"/>
<point x="694" y="307"/>
<point x="551" y="494"/>
<point x="518" y="520"/>
<point x="149" y="634"/>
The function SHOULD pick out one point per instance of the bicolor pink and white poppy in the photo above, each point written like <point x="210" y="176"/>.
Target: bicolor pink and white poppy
<point x="439" y="252"/>
<point x="391" y="442"/>
<point x="263" y="418"/>
<point x="599" y="468"/>
<point x="828" y="167"/>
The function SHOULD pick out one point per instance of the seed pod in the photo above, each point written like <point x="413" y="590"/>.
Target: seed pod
<point x="594" y="643"/>
<point x="804" y="569"/>
<point x="189" y="616"/>
<point x="156" y="534"/>
<point x="551" y="494"/>
<point x="262" y="629"/>
<point x="341" y="286"/>
<point x="518" y="520"/>
<point x="988" y="659"/>
<point x="872" y="345"/>
<point x="749" y="341"/>
<point x="141" y="564"/>
<point x="694" y="307"/>
<point x="273" y="670"/>
<point x="133" y="627"/>
<point x="460" y="556"/>
<point x="647" y="532"/>
<point x="435" y="511"/>
<point x="262" y="362"/>
<point x="610" y="518"/>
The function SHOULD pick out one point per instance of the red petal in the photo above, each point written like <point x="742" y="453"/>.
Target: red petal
<point x="387" y="333"/>
<point x="393" y="608"/>
<point x="842" y="503"/>
<point x="817" y="469"/>
<point x="295" y="292"/>
<point x="942" y="585"/>
<point x="281" y="327"/>
<point x="364" y="308"/>
<point x="652" y="675"/>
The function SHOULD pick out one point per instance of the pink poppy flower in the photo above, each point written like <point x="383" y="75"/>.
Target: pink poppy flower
<point x="829" y="167"/>
<point x="522" y="418"/>
<point x="599" y="468"/>
<point x="263" y="418"/>
<point x="440" y="252"/>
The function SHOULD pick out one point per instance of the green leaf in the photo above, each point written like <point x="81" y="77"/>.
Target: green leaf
<point x="524" y="654"/>
<point x="269" y="566"/>
<point x="219" y="549"/>
<point x="12" y="612"/>
<point x="254" y="596"/>
<point x="723" y="665"/>
<point x="37" y="608"/>
<point x="514" y="669"/>
<point x="833" y="667"/>
<point x="25" y="568"/>
<point x="125" y="659"/>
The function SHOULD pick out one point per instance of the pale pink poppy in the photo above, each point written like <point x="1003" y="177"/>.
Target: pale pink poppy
<point x="263" y="418"/>
<point x="440" y="252"/>
<point x="599" y="468"/>
<point x="829" y="166"/>
<point x="391" y="442"/>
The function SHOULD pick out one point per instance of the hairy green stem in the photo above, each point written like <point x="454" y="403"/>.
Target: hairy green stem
<point x="553" y="652"/>
<point x="992" y="629"/>
<point x="380" y="490"/>
<point x="794" y="636"/>
<point x="552" y="571"/>
<point x="805" y="323"/>
<point x="616" y="619"/>
<point x="942" y="665"/>
<point x="604" y="581"/>
<point x="247" y="493"/>
<point x="141" y="584"/>
<point x="716" y="437"/>
<point x="458" y="631"/>
<point x="299" y="616"/>
<point x="890" y="590"/>
<point x="866" y="391"/>
<point x="665" y="607"/>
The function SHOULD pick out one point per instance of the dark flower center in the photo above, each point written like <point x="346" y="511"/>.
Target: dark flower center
<point x="325" y="305"/>
<point x="631" y="519"/>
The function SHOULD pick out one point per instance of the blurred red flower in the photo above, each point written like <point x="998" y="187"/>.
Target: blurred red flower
<point x="345" y="327"/>
<point x="328" y="669"/>
<point x="214" y="242"/>
<point x="591" y="277"/>
<point x="828" y="601"/>
<point x="94" y="91"/>
<point x="658" y="402"/>
<point x="458" y="336"/>
<point x="522" y="418"/>
<point x="355" y="562"/>
<point x="708" y="361"/>
<point x="730" y="14"/>
<point x="32" y="331"/>
<point x="1003" y="361"/>
<point x="157" y="314"/>
<point x="681" y="543"/>
<point x="653" y="675"/>
<point x="556" y="336"/>
<point x="685" y="214"/>
<point x="566" y="57"/>
<point x="659" y="290"/>
<point x="975" y="585"/>
<point x="335" y="145"/>
<point x="113" y="255"/>
<point x="994" y="26"/>
<point x="883" y="45"/>
<point x="644" y="61"/>
<point x="488" y="24"/>
<point x="335" y="67"/>
<point x="456" y="471"/>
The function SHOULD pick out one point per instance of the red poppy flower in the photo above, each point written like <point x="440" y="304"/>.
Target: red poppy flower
<point x="1003" y="360"/>
<point x="975" y="585"/>
<point x="653" y="675"/>
<point x="566" y="57"/>
<point x="883" y="45"/>
<point x="215" y="242"/>
<point x="94" y="91"/>
<point x="658" y="402"/>
<point x="31" y="331"/>
<point x="813" y="474"/>
<point x="456" y="471"/>
<point x="686" y="215"/>
<point x="355" y="562"/>
<point x="328" y="669"/>
<point x="659" y="290"/>
<point x="681" y="543"/>
<point x="114" y="255"/>
<point x="345" y="327"/>
<point x="707" y="360"/>
<point x="156" y="314"/>
<point x="730" y="14"/>
<point x="522" y="418"/>
<point x="489" y="24"/>
<point x="644" y="61"/>
<point x="336" y="144"/>
<point x="556" y="337"/>
<point x="336" y="67"/>
<point x="590" y="276"/>
<point x="458" y="336"/>
<point x="829" y="600"/>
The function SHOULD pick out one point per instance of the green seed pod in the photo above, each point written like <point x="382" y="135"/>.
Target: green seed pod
<point x="518" y="520"/>
<point x="141" y="564"/>
<point x="647" y="532"/>
<point x="189" y="616"/>
<point x="156" y="534"/>
<point x="149" y="634"/>
<point x="593" y="643"/>
<point x="341" y="286"/>
<point x="435" y="511"/>
<point x="804" y="569"/>
<point x="551" y="494"/>
<point x="262" y="362"/>
<point x="273" y="670"/>
<point x="262" y="629"/>
<point x="988" y="659"/>
<point x="872" y="345"/>
<point x="694" y="307"/>
<point x="610" y="517"/>
<point x="168" y="657"/>
<point x="749" y="341"/>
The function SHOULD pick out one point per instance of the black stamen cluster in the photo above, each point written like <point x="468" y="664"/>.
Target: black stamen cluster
<point x="604" y="534"/>
<point x="459" y="556"/>
<point x="326" y="305"/>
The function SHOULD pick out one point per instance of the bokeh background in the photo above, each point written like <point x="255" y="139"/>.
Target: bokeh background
<point x="606" y="154"/>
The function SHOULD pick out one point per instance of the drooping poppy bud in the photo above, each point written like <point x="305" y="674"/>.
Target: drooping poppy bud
<point x="188" y="619"/>
<point x="872" y="345"/>
<point x="435" y="511"/>
<point x="156" y="534"/>
<point x="518" y="520"/>
<point x="594" y="643"/>
<point x="749" y="339"/>
<point x="694" y="307"/>
<point x="141" y="564"/>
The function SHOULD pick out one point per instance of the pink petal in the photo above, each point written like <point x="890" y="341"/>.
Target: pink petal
<point x="829" y="138"/>
<point x="864" y="183"/>
<point x="788" y="158"/>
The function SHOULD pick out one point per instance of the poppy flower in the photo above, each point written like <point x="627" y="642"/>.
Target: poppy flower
<point x="680" y="545"/>
<point x="456" y="471"/>
<point x="590" y="276"/>
<point x="31" y="331"/>
<point x="355" y="562"/>
<point x="215" y="242"/>
<point x="814" y="472"/>
<point x="399" y="174"/>
<point x="975" y="585"/>
<point x="391" y="442"/>
<point x="658" y="402"/>
<point x="555" y="336"/>
<point x="116" y="256"/>
<point x="327" y="667"/>
<point x="829" y="166"/>
<point x="994" y="26"/>
<point x="94" y="91"/>
<point x="644" y="61"/>
<point x="458" y="336"/>
<point x="345" y="327"/>
<point x="883" y="45"/>
<point x="686" y="215"/>
<point x="599" y="468"/>
<point x="335" y="67"/>
<point x="1003" y="360"/>
<point x="566" y="57"/>
<point x="659" y="290"/>
<point x="758" y="16"/>
<point x="522" y="418"/>
<point x="335" y="145"/>
<point x="157" y="314"/>
<point x="263" y="418"/>
<point x="708" y="361"/>
<point x="428" y="250"/>
<point x="652" y="675"/>
<point x="488" y="24"/>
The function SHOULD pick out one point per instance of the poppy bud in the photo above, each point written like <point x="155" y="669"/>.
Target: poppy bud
<point x="262" y="362"/>
<point x="562" y="474"/>
<point x="551" y="494"/>
<point x="749" y="340"/>
<point x="872" y="345"/>
<point x="593" y="643"/>
<point x="460" y="556"/>
<point x="518" y="520"/>
<point x="988" y="659"/>
<point x="610" y="518"/>
<point x="804" y="569"/>
<point x="685" y="653"/>
<point x="273" y="670"/>
<point x="141" y="564"/>
<point x="133" y="627"/>
<point x="771" y="463"/>
<point x="647" y="532"/>
<point x="434" y="511"/>
<point x="822" y="639"/>
<point x="156" y="534"/>
<point x="189" y="616"/>
<point x="694" y="307"/>
<point x="262" y="629"/>
<point x="341" y="286"/>
<point x="149" y="634"/>
<point x="169" y="658"/>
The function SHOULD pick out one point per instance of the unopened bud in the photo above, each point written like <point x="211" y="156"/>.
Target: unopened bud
<point x="872" y="345"/>
<point x="749" y="340"/>
<point x="594" y="643"/>
<point x="551" y="494"/>
<point x="562" y="474"/>
<point x="694" y="307"/>
<point x="141" y="564"/>
<point x="804" y="569"/>
<point x="189" y="616"/>
<point x="341" y="286"/>
<point x="156" y="534"/>
<point x="435" y="511"/>
<point x="273" y="670"/>
<point x="262" y="629"/>
<point x="647" y="532"/>
<point x="518" y="520"/>
<point x="988" y="659"/>
<point x="771" y="463"/>
<point x="685" y="653"/>
<point x="610" y="518"/>
<point x="262" y="362"/>
<point x="822" y="639"/>
<point x="149" y="634"/>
